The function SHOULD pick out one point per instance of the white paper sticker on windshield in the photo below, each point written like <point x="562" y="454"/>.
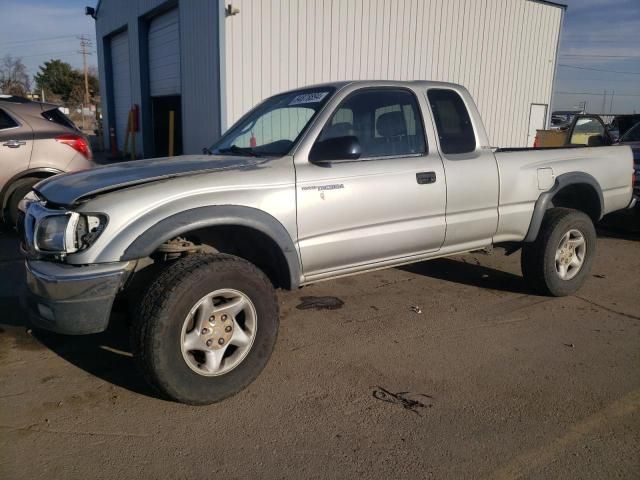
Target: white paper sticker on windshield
<point x="314" y="97"/>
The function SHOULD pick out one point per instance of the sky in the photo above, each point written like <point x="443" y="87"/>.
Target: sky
<point x="596" y="35"/>
<point x="600" y="35"/>
<point x="38" y="30"/>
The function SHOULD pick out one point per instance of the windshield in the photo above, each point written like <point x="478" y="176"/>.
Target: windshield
<point x="632" y="135"/>
<point x="273" y="127"/>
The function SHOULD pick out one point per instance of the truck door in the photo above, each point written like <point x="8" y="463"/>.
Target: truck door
<point x="472" y="171"/>
<point x="382" y="205"/>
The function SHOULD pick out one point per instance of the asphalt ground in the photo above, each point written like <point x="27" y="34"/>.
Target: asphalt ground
<point x="443" y="369"/>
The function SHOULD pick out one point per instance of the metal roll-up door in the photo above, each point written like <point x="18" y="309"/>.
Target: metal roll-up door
<point x="164" y="54"/>
<point x="121" y="77"/>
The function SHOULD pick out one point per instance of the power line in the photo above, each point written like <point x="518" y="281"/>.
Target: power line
<point x="597" y="69"/>
<point x="585" y="40"/>
<point x="598" y="56"/>
<point x="65" y="52"/>
<point x="599" y="94"/>
<point x="38" y="39"/>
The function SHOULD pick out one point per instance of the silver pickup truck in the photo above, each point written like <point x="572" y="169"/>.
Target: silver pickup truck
<point x="311" y="185"/>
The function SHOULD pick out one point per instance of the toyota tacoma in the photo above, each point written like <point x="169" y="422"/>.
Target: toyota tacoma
<point x="310" y="185"/>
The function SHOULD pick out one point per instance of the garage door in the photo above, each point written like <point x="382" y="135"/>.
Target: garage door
<point x="121" y="84"/>
<point x="164" y="54"/>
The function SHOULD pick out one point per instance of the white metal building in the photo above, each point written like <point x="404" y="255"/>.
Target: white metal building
<point x="211" y="61"/>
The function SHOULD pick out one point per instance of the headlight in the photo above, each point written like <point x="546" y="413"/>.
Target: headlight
<point x="68" y="232"/>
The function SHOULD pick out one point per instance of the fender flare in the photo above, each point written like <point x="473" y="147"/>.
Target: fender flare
<point x="209" y="216"/>
<point x="544" y="201"/>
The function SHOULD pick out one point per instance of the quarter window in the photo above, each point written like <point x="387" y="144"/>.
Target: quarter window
<point x="6" y="121"/>
<point x="455" y="130"/>
<point x="385" y="122"/>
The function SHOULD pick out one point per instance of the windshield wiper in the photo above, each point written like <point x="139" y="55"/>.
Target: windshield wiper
<point x="236" y="150"/>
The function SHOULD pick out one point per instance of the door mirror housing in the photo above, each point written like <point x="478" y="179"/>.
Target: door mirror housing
<point x="336" y="148"/>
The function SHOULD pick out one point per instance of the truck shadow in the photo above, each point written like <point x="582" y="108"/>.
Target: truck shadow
<point x="624" y="225"/>
<point x="106" y="355"/>
<point x="472" y="274"/>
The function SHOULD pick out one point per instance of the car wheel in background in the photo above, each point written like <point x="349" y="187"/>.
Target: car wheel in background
<point x="19" y="189"/>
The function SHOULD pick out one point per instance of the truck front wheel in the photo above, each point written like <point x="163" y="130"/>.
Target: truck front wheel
<point x="205" y="328"/>
<point x="558" y="262"/>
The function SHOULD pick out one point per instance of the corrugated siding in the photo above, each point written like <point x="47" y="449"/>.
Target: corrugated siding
<point x="121" y="75"/>
<point x="164" y="54"/>
<point x="503" y="51"/>
<point x="199" y="62"/>
<point x="200" y="73"/>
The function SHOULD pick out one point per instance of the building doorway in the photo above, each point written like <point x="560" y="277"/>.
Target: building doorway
<point x="161" y="108"/>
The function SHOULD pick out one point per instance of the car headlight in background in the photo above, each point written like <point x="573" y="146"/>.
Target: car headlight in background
<point x="68" y="232"/>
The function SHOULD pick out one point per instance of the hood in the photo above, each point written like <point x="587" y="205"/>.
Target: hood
<point x="68" y="188"/>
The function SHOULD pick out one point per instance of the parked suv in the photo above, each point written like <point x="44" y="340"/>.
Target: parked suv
<point x="37" y="141"/>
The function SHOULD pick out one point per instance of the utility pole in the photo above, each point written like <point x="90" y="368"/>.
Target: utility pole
<point x="611" y="103"/>
<point x="85" y="46"/>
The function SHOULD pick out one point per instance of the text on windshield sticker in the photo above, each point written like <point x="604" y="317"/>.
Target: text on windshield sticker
<point x="314" y="97"/>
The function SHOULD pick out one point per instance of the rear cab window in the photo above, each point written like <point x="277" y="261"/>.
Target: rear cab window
<point x="452" y="120"/>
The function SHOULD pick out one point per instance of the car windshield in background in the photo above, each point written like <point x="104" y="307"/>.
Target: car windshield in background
<point x="273" y="127"/>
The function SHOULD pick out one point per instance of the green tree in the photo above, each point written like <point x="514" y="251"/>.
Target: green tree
<point x="60" y="79"/>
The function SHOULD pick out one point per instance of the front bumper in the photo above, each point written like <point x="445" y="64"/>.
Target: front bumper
<point x="74" y="300"/>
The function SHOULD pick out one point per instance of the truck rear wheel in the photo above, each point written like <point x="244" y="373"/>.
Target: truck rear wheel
<point x="558" y="262"/>
<point x="205" y="328"/>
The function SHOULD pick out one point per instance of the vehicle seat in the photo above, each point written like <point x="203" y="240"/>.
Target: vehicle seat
<point x="391" y="138"/>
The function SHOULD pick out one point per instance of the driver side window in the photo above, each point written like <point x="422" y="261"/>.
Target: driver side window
<point x="386" y="122"/>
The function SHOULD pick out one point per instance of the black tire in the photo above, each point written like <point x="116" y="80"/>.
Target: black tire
<point x="538" y="258"/>
<point x="157" y="326"/>
<point x="20" y="189"/>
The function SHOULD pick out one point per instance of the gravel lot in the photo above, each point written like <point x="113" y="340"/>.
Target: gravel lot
<point x="500" y="384"/>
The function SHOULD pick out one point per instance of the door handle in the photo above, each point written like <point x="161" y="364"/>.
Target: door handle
<point x="424" y="178"/>
<point x="14" y="143"/>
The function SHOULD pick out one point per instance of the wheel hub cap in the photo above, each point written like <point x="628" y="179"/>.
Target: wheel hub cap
<point x="570" y="254"/>
<point x="218" y="332"/>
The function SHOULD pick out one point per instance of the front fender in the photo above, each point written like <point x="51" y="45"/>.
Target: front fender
<point x="201" y="217"/>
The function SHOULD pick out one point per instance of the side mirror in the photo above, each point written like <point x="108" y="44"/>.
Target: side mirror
<point x="337" y="148"/>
